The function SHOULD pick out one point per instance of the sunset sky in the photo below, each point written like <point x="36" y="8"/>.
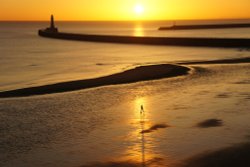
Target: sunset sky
<point x="123" y="9"/>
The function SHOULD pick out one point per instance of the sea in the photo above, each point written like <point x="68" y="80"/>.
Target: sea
<point x="184" y="117"/>
<point x="27" y="59"/>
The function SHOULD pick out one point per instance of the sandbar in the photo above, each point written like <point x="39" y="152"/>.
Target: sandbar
<point x="141" y="73"/>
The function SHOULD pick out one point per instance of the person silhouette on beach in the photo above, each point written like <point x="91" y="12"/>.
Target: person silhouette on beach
<point x="142" y="109"/>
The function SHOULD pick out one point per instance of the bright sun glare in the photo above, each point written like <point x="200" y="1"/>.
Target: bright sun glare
<point x="139" y="9"/>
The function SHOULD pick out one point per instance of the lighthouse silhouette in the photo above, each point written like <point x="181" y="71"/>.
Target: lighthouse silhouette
<point x="52" y="27"/>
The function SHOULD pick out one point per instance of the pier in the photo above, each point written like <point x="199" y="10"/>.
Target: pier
<point x="208" y="26"/>
<point x="52" y="32"/>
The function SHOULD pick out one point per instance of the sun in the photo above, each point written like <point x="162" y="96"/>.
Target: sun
<point x="139" y="9"/>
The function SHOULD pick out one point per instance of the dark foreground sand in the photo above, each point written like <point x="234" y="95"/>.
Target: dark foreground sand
<point x="141" y="73"/>
<point x="236" y="156"/>
<point x="228" y="157"/>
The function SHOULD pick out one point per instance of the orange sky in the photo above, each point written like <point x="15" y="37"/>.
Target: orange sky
<point x="123" y="9"/>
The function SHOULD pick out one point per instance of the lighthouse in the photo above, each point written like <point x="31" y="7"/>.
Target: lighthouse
<point x="52" y="27"/>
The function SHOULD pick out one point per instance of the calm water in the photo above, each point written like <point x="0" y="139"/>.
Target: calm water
<point x="103" y="124"/>
<point x="27" y="59"/>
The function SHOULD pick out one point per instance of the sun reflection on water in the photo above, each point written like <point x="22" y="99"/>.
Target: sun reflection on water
<point x="138" y="31"/>
<point x="141" y="148"/>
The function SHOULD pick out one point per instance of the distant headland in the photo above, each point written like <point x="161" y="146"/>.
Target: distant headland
<point x="52" y="32"/>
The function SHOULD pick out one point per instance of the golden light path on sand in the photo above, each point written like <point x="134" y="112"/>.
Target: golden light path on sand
<point x="141" y="120"/>
<point x="142" y="150"/>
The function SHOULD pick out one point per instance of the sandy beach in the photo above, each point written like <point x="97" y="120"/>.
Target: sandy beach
<point x="198" y="119"/>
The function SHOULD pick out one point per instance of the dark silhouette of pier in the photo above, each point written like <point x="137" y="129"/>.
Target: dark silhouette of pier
<point x="52" y="32"/>
<point x="207" y="26"/>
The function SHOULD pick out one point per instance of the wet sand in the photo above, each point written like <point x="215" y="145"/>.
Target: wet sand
<point x="199" y="120"/>
<point x="210" y="123"/>
<point x="237" y="155"/>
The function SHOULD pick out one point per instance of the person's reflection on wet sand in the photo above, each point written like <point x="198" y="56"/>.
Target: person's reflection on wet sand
<point x="142" y="121"/>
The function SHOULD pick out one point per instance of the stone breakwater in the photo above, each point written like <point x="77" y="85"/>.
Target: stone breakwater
<point x="172" y="41"/>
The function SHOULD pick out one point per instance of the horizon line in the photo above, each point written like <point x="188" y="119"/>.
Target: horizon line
<point x="60" y="20"/>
